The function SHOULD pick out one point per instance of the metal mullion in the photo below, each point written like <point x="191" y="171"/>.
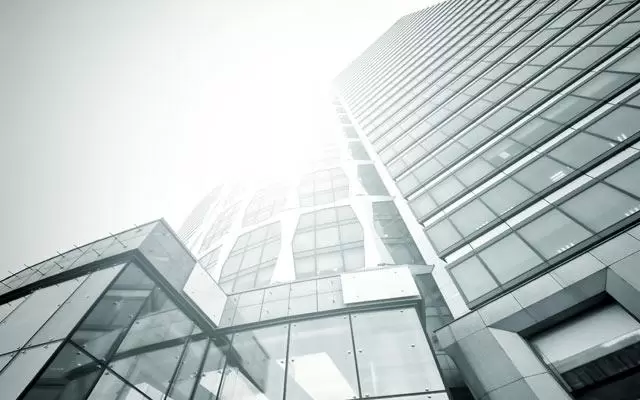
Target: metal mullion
<point x="205" y="354"/>
<point x="286" y="363"/>
<point x="354" y="352"/>
<point x="185" y="346"/>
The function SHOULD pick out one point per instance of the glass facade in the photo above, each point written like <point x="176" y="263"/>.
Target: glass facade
<point x="510" y="130"/>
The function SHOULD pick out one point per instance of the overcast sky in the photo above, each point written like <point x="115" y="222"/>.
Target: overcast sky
<point x="114" y="113"/>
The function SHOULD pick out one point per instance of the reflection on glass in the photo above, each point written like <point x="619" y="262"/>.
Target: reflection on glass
<point x="211" y="374"/>
<point x="393" y="354"/>
<point x="187" y="371"/>
<point x="150" y="372"/>
<point x="321" y="362"/>
<point x="69" y="376"/>
<point x="256" y="365"/>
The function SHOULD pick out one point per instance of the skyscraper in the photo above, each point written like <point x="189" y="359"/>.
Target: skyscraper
<point x="510" y="130"/>
<point x="469" y="231"/>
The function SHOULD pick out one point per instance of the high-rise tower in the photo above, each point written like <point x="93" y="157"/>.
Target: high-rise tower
<point x="510" y="129"/>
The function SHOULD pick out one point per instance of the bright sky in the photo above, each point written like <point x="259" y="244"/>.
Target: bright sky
<point x="119" y="112"/>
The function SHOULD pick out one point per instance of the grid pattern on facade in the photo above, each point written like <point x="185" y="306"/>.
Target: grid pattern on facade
<point x="394" y="234"/>
<point x="220" y="225"/>
<point x="323" y="187"/>
<point x="265" y="203"/>
<point x="328" y="241"/>
<point x="252" y="259"/>
<point x="210" y="260"/>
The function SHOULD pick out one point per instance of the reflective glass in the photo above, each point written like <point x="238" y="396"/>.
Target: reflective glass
<point x="445" y="190"/>
<point x="509" y="258"/>
<point x="392" y="353"/>
<point x="23" y="368"/>
<point x="150" y="371"/>
<point x="553" y="233"/>
<point x="618" y="125"/>
<point x="505" y="196"/>
<point x="321" y="362"/>
<point x="600" y="206"/>
<point x="70" y="376"/>
<point x="111" y="387"/>
<point x="541" y="173"/>
<point x="473" y="278"/>
<point x="580" y="149"/>
<point x="472" y="217"/>
<point x="443" y="235"/>
<point x="187" y="371"/>
<point x="258" y="371"/>
<point x="627" y="178"/>
<point x="211" y="375"/>
<point x="20" y="325"/>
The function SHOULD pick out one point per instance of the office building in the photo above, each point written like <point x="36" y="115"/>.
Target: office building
<point x="510" y="131"/>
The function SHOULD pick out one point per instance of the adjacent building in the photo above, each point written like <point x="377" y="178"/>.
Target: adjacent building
<point x="510" y="130"/>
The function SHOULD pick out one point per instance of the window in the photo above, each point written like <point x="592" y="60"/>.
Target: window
<point x="581" y="149"/>
<point x="553" y="233"/>
<point x="445" y="190"/>
<point x="618" y="125"/>
<point x="509" y="257"/>
<point x="265" y="203"/>
<point x="393" y="232"/>
<point x="541" y="174"/>
<point x="473" y="278"/>
<point x="327" y="242"/>
<point x="252" y="259"/>
<point x="322" y="187"/>
<point x="370" y="180"/>
<point x="600" y="206"/>
<point x="442" y="235"/>
<point x="505" y="196"/>
<point x="357" y="151"/>
<point x="627" y="178"/>
<point x="471" y="217"/>
<point x="393" y="355"/>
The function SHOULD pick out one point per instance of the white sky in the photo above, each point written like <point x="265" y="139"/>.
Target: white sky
<point x="123" y="111"/>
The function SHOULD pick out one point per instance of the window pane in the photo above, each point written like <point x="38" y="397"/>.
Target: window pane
<point x="628" y="178"/>
<point x="542" y="173"/>
<point x="505" y="196"/>
<point x="110" y="387"/>
<point x="619" y="125"/>
<point x="473" y="278"/>
<point x="581" y="149"/>
<point x="151" y="371"/>
<point x="553" y="233"/>
<point x="393" y="354"/>
<point x="211" y="375"/>
<point x="443" y="235"/>
<point x="445" y="190"/>
<point x="188" y="370"/>
<point x="509" y="258"/>
<point x="321" y="361"/>
<point x="69" y="377"/>
<point x="258" y="370"/>
<point x="600" y="206"/>
<point x="472" y="217"/>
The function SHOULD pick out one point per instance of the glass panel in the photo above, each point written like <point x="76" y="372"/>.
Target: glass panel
<point x="187" y="371"/>
<point x="70" y="376"/>
<point x="445" y="190"/>
<point x="211" y="375"/>
<point x="600" y="206"/>
<point x="542" y="173"/>
<point x="110" y="387"/>
<point x="321" y="362"/>
<point x="553" y="233"/>
<point x="258" y="370"/>
<point x="473" y="278"/>
<point x="472" y="217"/>
<point x="150" y="372"/>
<point x="443" y="235"/>
<point x="509" y="258"/>
<point x="627" y="178"/>
<point x="22" y="369"/>
<point x="113" y="312"/>
<point x="581" y="149"/>
<point x="20" y="325"/>
<point x="618" y="125"/>
<point x="392" y="353"/>
<point x="505" y="196"/>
